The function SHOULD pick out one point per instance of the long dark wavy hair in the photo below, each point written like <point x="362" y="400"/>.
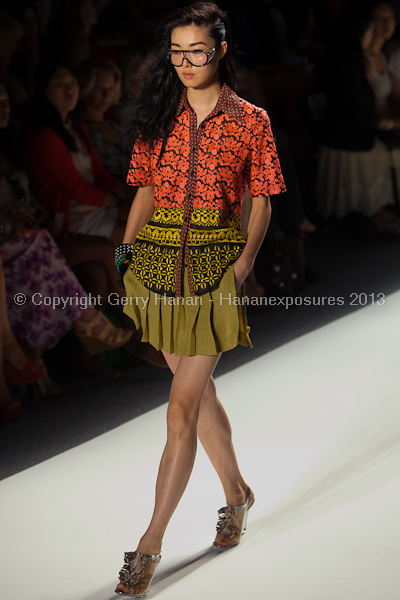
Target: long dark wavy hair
<point x="151" y="116"/>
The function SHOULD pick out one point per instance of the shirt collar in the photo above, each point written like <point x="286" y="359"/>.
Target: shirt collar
<point x="228" y="102"/>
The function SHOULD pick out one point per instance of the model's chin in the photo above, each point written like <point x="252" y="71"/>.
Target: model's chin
<point x="189" y="83"/>
<point x="187" y="80"/>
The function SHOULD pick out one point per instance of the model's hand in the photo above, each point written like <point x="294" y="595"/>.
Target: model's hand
<point x="241" y="269"/>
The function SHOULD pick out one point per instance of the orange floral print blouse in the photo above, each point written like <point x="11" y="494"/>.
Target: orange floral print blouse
<point x="200" y="183"/>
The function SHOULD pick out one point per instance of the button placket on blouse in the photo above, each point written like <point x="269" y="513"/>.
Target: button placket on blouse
<point x="195" y="135"/>
<point x="232" y="126"/>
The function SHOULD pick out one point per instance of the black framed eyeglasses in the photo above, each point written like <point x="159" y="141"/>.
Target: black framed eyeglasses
<point x="197" y="58"/>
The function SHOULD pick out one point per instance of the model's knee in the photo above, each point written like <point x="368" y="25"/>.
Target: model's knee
<point x="181" y="418"/>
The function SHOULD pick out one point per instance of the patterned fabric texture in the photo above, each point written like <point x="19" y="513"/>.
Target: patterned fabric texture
<point x="36" y="268"/>
<point x="200" y="183"/>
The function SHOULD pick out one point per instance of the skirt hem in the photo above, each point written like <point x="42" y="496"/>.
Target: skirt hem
<point x="206" y="325"/>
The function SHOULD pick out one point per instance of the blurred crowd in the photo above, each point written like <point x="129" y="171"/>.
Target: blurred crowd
<point x="327" y="72"/>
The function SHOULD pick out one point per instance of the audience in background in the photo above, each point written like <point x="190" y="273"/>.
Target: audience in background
<point x="77" y="162"/>
<point x="391" y="48"/>
<point x="354" y="167"/>
<point x="66" y="173"/>
<point x="385" y="84"/>
<point x="100" y="89"/>
<point x="15" y="368"/>
<point x="33" y="265"/>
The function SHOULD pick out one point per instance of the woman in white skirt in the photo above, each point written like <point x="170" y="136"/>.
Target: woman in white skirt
<point x="354" y="171"/>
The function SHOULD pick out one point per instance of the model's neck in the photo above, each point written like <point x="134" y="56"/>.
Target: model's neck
<point x="203" y="100"/>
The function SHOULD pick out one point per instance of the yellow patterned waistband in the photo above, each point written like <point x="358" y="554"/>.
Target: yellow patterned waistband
<point x="171" y="236"/>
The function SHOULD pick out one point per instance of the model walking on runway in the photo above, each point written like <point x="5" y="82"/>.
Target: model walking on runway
<point x="197" y="146"/>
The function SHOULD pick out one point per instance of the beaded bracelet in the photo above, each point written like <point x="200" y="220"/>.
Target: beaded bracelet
<point x="122" y="250"/>
<point x="122" y="261"/>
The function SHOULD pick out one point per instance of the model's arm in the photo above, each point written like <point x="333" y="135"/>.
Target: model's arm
<point x="260" y="215"/>
<point x="140" y="213"/>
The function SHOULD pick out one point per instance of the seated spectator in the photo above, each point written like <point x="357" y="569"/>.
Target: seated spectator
<point x="100" y="86"/>
<point x="391" y="48"/>
<point x="354" y="167"/>
<point x="32" y="265"/>
<point x="15" y="368"/>
<point x="66" y="174"/>
<point x="385" y="83"/>
<point x="92" y="257"/>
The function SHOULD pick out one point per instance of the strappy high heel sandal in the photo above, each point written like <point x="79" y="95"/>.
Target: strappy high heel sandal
<point x="232" y="524"/>
<point x="138" y="572"/>
<point x="94" y="344"/>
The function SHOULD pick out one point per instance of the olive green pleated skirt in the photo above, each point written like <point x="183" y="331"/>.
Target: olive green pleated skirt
<point x="191" y="325"/>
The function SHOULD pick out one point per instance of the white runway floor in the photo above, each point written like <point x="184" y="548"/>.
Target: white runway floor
<point x="317" y="432"/>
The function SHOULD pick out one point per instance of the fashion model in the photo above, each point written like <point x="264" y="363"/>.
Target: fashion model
<point x="197" y="147"/>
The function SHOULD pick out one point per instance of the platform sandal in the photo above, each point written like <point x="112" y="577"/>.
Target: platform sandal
<point x="29" y="373"/>
<point x="96" y="343"/>
<point x="232" y="523"/>
<point x="138" y="572"/>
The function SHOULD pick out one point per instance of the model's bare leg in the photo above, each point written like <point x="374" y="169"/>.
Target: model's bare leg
<point x="215" y="434"/>
<point x="214" y="431"/>
<point x="190" y="379"/>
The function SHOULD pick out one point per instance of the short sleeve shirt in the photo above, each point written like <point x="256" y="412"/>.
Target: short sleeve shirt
<point x="200" y="183"/>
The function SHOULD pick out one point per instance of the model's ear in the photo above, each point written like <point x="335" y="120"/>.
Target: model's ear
<point x="223" y="49"/>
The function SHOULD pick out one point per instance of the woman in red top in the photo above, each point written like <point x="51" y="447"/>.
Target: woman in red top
<point x="197" y="146"/>
<point x="66" y="173"/>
